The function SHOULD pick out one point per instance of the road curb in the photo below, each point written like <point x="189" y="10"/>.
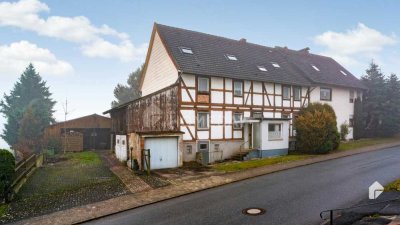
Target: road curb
<point x="181" y="190"/>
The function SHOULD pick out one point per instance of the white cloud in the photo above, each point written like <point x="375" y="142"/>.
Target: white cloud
<point x="355" y="45"/>
<point x="16" y="56"/>
<point x="25" y="14"/>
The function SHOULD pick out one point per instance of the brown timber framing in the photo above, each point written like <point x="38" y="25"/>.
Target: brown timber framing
<point x="266" y="106"/>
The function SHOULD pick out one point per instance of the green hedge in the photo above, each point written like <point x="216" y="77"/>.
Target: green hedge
<point x="7" y="172"/>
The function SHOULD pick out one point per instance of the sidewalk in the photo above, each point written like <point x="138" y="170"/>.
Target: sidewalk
<point x="115" y="205"/>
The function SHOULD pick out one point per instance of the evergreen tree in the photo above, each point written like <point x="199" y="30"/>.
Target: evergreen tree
<point x="391" y="117"/>
<point x="125" y="93"/>
<point x="374" y="100"/>
<point x="358" y="119"/>
<point x="30" y="93"/>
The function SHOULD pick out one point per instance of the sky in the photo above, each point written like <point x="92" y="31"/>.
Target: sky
<point x="83" y="49"/>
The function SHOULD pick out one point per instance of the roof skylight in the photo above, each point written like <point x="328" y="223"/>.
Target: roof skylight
<point x="262" y="68"/>
<point x="186" y="50"/>
<point x="315" y="68"/>
<point x="276" y="65"/>
<point x="343" y="73"/>
<point x="231" y="57"/>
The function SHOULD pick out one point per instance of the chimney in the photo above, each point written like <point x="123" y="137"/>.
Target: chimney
<point x="242" y="40"/>
<point x="304" y="50"/>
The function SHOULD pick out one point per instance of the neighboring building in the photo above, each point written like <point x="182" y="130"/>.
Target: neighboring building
<point x="214" y="98"/>
<point x="84" y="133"/>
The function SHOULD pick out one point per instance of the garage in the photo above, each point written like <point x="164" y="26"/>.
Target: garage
<point x="163" y="152"/>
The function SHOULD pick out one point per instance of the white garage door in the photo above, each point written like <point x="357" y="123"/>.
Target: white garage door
<point x="163" y="152"/>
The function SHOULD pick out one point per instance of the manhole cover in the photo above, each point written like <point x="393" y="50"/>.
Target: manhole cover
<point x="253" y="211"/>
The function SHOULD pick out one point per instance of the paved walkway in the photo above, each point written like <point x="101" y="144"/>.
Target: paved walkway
<point x="127" y="176"/>
<point x="115" y="205"/>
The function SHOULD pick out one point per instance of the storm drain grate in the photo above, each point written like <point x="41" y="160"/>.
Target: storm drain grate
<point x="254" y="211"/>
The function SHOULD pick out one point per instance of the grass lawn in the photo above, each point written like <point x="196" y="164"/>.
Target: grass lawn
<point x="345" y="146"/>
<point x="393" y="186"/>
<point x="235" y="166"/>
<point x="69" y="180"/>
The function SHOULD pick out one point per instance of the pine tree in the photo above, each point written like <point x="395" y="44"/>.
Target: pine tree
<point x="125" y="93"/>
<point x="29" y="92"/>
<point x="358" y="119"/>
<point x="374" y="100"/>
<point x="391" y="117"/>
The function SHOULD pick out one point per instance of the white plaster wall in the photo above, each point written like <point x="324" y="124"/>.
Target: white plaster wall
<point x="228" y="148"/>
<point x="217" y="97"/>
<point x="161" y="71"/>
<point x="217" y="83"/>
<point x="274" y="144"/>
<point x="340" y="103"/>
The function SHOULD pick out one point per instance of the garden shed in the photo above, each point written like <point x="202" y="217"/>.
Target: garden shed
<point x="95" y="130"/>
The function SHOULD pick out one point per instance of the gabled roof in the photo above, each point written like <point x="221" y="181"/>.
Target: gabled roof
<point x="322" y="69"/>
<point x="209" y="58"/>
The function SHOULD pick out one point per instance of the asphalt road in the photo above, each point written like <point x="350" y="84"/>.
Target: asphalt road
<point x="294" y="196"/>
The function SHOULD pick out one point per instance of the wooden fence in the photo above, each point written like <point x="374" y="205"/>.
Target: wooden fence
<point x="24" y="169"/>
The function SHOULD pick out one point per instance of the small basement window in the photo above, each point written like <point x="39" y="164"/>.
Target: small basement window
<point x="315" y="67"/>
<point x="343" y="73"/>
<point x="231" y="57"/>
<point x="186" y="50"/>
<point x="203" y="146"/>
<point x="262" y="68"/>
<point x="276" y="65"/>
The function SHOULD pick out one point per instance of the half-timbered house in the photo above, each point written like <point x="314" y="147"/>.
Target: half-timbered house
<point x="211" y="98"/>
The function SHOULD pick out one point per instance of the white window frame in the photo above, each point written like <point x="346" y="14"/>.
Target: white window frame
<point x="315" y="67"/>
<point x="288" y="92"/>
<point x="186" y="50"/>
<point x="207" y="115"/>
<point x="294" y="93"/>
<point x="208" y="85"/>
<point x="262" y="68"/>
<point x="234" y="88"/>
<point x="275" y="64"/>
<point x="273" y="136"/>
<point x="231" y="57"/>
<point x="237" y="126"/>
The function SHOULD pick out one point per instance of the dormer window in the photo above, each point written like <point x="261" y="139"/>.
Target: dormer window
<point x="262" y="68"/>
<point x="276" y="65"/>
<point x="315" y="68"/>
<point x="231" y="57"/>
<point x="186" y="50"/>
<point x="343" y="73"/>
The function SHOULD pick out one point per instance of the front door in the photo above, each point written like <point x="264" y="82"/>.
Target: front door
<point x="256" y="135"/>
<point x="250" y="133"/>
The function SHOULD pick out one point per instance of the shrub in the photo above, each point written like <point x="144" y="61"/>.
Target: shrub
<point x="316" y="129"/>
<point x="54" y="144"/>
<point x="7" y="172"/>
<point x="344" y="131"/>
